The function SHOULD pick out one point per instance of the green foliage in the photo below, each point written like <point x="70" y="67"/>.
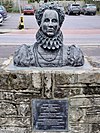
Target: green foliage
<point x="16" y="9"/>
<point x="8" y="4"/>
<point x="32" y="1"/>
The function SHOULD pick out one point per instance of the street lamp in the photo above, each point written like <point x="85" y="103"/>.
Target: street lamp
<point x="1" y="2"/>
<point x="19" y="6"/>
<point x="21" y="21"/>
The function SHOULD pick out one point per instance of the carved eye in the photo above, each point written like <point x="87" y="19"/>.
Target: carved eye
<point x="54" y="20"/>
<point x="46" y="20"/>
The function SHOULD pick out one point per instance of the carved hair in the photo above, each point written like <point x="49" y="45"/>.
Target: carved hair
<point x="56" y="7"/>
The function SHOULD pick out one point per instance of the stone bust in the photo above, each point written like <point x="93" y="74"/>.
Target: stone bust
<point x="48" y="50"/>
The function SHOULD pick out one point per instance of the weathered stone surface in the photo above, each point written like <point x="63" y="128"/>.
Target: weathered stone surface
<point x="76" y="115"/>
<point x="37" y="80"/>
<point x="47" y="85"/>
<point x="7" y="95"/>
<point x="4" y="80"/>
<point x="63" y="78"/>
<point x="37" y="84"/>
<point x="91" y="90"/>
<point x="95" y="128"/>
<point x="19" y="88"/>
<point x="23" y="96"/>
<point x="15" y="121"/>
<point x="80" y="128"/>
<point x="89" y="77"/>
<point x="8" y="108"/>
<point x="20" y="81"/>
<point x="93" y="114"/>
<point x="80" y="101"/>
<point x="94" y="61"/>
<point x="24" y="109"/>
<point x="62" y="91"/>
<point x="14" y="130"/>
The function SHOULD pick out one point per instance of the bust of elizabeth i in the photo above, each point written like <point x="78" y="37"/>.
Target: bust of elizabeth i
<point x="49" y="50"/>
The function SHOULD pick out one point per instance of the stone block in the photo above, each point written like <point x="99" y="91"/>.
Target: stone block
<point x="19" y="81"/>
<point x="24" y="109"/>
<point x="76" y="115"/>
<point x="37" y="80"/>
<point x="47" y="84"/>
<point x="37" y="84"/>
<point x="8" y="109"/>
<point x="23" y="96"/>
<point x="91" y="90"/>
<point x="63" y="78"/>
<point x="80" y="101"/>
<point x="62" y="91"/>
<point x="14" y="130"/>
<point x="15" y="122"/>
<point x="95" y="128"/>
<point x="3" y="80"/>
<point x="80" y="128"/>
<point x="89" y="77"/>
<point x="4" y="95"/>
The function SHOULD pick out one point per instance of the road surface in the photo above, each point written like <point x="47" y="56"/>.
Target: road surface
<point x="79" y="30"/>
<point x="70" y="22"/>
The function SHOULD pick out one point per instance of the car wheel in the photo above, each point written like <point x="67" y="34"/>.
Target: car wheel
<point x="94" y="13"/>
<point x="68" y="13"/>
<point x="84" y="12"/>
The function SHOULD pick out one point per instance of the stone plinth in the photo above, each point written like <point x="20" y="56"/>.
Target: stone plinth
<point x="20" y="86"/>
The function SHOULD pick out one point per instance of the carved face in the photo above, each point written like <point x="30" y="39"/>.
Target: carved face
<point x="50" y="22"/>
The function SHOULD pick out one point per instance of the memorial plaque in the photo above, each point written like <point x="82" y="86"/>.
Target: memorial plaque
<point x="50" y="115"/>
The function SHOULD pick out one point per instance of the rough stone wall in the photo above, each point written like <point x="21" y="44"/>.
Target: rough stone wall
<point x="80" y="87"/>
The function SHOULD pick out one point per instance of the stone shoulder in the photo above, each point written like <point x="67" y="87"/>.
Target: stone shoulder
<point x="72" y="56"/>
<point x="24" y="56"/>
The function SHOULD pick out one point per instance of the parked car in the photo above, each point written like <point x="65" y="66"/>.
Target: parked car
<point x="1" y="19"/>
<point x="28" y="9"/>
<point x="3" y="12"/>
<point x="89" y="9"/>
<point x="73" y="9"/>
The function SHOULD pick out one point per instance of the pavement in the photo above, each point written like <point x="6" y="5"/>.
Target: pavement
<point x="66" y="33"/>
<point x="32" y="31"/>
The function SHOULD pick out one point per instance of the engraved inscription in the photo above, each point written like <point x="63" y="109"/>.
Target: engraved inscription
<point x="50" y="115"/>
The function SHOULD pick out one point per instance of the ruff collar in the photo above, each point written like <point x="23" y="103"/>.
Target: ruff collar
<point x="49" y="43"/>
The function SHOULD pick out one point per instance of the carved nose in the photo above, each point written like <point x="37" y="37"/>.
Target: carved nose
<point x="50" y="23"/>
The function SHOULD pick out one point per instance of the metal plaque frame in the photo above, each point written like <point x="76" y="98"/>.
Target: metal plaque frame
<point x="50" y="115"/>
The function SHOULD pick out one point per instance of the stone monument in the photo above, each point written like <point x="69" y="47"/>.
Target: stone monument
<point x="49" y="51"/>
<point x="40" y="92"/>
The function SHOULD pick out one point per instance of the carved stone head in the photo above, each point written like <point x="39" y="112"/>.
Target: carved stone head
<point x="50" y="18"/>
<point x="50" y="23"/>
